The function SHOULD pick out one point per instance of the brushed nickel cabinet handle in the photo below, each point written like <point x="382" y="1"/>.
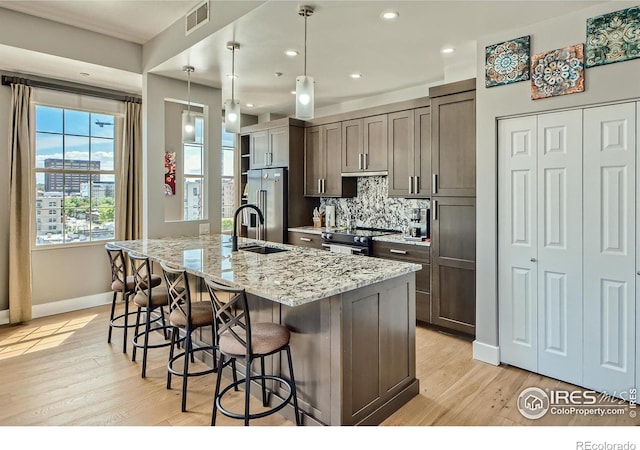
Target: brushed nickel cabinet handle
<point x="397" y="252"/>
<point x="435" y="183"/>
<point x="435" y="209"/>
<point x="304" y="239"/>
<point x="533" y="260"/>
<point x="360" y="161"/>
<point x="416" y="187"/>
<point x="319" y="186"/>
<point x="366" y="161"/>
<point x="410" y="185"/>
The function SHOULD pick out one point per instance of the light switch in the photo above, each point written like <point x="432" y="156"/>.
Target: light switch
<point x="204" y="228"/>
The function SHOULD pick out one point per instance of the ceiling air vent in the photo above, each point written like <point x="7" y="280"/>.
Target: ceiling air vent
<point x="197" y="17"/>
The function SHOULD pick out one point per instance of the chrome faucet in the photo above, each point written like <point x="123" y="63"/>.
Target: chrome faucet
<point x="234" y="236"/>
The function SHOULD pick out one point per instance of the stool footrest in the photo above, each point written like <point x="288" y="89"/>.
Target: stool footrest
<point x="193" y="350"/>
<point x="113" y="322"/>
<point x="274" y="409"/>
<point x="167" y="343"/>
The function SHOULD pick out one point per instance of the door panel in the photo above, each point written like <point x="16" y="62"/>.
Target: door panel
<point x="313" y="161"/>
<point x="610" y="255"/>
<point x="352" y="145"/>
<point x="375" y="143"/>
<point x="279" y="147"/>
<point x="401" y="154"/>
<point x="422" y="159"/>
<point x="559" y="230"/>
<point x="259" y="148"/>
<point x="517" y="242"/>
<point x="332" y="134"/>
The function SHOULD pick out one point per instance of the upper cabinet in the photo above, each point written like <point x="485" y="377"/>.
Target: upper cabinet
<point x="269" y="148"/>
<point x="323" y="178"/>
<point x="364" y="146"/>
<point x="409" y="153"/>
<point x="453" y="139"/>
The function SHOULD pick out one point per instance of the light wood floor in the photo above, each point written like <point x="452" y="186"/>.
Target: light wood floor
<point x="59" y="370"/>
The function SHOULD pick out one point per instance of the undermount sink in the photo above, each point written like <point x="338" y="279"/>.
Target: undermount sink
<point x="263" y="249"/>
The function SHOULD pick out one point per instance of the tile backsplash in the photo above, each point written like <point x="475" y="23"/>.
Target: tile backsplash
<point x="372" y="207"/>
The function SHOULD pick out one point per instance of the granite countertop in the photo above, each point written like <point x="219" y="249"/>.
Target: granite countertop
<point x="399" y="239"/>
<point x="295" y="277"/>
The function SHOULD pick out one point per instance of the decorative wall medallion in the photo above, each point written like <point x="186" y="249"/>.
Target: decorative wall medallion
<point x="170" y="173"/>
<point x="558" y="72"/>
<point x="507" y="62"/>
<point x="613" y="37"/>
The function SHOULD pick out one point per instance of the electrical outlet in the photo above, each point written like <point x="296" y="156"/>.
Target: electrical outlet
<point x="204" y="228"/>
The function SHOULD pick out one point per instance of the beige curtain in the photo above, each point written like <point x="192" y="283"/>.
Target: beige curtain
<point x="20" y="206"/>
<point x="129" y="204"/>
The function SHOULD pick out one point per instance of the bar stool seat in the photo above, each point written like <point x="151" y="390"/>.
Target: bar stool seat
<point x="266" y="338"/>
<point x="130" y="284"/>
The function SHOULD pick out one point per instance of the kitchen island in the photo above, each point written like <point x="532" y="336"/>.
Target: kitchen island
<point x="352" y="319"/>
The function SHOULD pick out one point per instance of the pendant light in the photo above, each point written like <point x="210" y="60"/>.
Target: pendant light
<point x="232" y="107"/>
<point x="304" y="84"/>
<point x="188" y="119"/>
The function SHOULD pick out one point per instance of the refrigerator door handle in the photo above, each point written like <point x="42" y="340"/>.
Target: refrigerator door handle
<point x="263" y="206"/>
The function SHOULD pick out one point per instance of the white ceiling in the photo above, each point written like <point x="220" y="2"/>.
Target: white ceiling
<point x="343" y="37"/>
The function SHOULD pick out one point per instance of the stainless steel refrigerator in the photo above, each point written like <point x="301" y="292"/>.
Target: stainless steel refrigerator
<point x="267" y="189"/>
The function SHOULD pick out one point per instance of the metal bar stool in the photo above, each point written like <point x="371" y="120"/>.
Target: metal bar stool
<point x="239" y="338"/>
<point x="123" y="285"/>
<point x="187" y="316"/>
<point x="149" y="301"/>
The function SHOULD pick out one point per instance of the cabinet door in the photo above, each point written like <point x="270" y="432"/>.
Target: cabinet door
<point x="401" y="154"/>
<point x="422" y="153"/>
<point x="352" y="146"/>
<point x="332" y="143"/>
<point x="453" y="146"/>
<point x="610" y="226"/>
<point x="453" y="255"/>
<point x="259" y="149"/>
<point x="313" y="161"/>
<point x="375" y="143"/>
<point x="279" y="147"/>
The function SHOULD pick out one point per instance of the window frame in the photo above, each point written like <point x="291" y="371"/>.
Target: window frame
<point x="76" y="102"/>
<point x="204" y="210"/>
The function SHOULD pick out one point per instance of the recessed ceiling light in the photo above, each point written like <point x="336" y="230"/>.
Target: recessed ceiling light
<point x="291" y="53"/>
<point x="230" y="75"/>
<point x="249" y="105"/>
<point x="85" y="74"/>
<point x="447" y="50"/>
<point x="389" y="15"/>
<point x="293" y="92"/>
<point x="277" y="74"/>
<point x="356" y="75"/>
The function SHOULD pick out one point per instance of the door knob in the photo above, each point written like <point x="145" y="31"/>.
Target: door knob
<point x="533" y="260"/>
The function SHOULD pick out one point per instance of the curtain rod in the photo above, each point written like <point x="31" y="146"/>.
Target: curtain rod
<point x="72" y="88"/>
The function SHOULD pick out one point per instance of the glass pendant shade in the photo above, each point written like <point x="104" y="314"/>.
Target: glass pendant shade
<point x="232" y="116"/>
<point x="304" y="97"/>
<point x="188" y="127"/>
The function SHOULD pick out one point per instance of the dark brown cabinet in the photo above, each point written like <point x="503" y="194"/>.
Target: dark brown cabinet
<point x="415" y="254"/>
<point x="269" y="148"/>
<point x="323" y="178"/>
<point x="305" y="239"/>
<point x="453" y="140"/>
<point x="453" y="256"/>
<point x="364" y="145"/>
<point x="409" y="153"/>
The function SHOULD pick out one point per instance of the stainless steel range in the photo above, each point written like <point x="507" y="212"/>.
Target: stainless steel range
<point x="356" y="241"/>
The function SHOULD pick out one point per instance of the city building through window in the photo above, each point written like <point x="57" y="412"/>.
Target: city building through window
<point x="75" y="175"/>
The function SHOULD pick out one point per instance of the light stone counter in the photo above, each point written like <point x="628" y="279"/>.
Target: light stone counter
<point x="292" y="278"/>
<point x="399" y="239"/>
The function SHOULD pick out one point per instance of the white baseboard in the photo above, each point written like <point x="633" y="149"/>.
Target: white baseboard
<point x="486" y="353"/>
<point x="63" y="306"/>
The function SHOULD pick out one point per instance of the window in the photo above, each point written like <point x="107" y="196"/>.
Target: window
<point x="228" y="183"/>
<point x="193" y="163"/>
<point x="75" y="174"/>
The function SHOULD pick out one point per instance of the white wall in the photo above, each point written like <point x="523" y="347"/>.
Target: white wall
<point x="612" y="82"/>
<point x="157" y="89"/>
<point x="52" y="38"/>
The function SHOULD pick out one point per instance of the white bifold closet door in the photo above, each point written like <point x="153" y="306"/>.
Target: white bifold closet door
<point x="540" y="239"/>
<point x="610" y="248"/>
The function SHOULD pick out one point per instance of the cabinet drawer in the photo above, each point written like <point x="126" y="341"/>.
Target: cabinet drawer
<point x="402" y="252"/>
<point x="305" y="239"/>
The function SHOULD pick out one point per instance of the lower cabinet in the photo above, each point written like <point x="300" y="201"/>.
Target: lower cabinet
<point x="453" y="263"/>
<point x="419" y="254"/>
<point x="305" y="239"/>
